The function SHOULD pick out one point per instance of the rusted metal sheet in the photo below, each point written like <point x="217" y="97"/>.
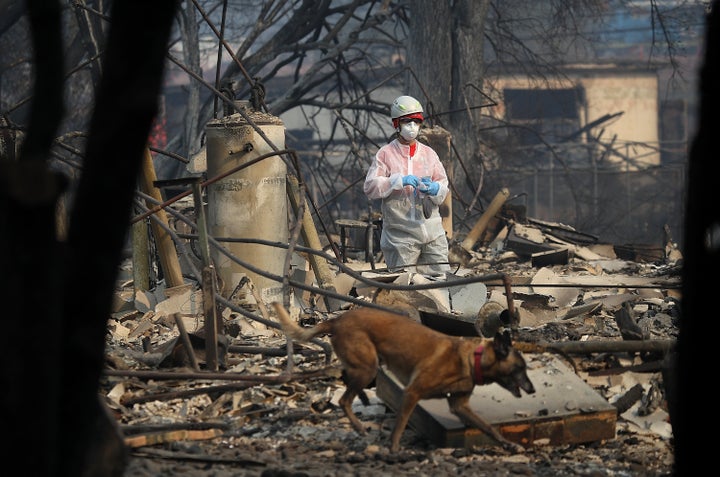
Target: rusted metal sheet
<point x="447" y="322"/>
<point x="522" y="246"/>
<point x="550" y="258"/>
<point x="640" y="252"/>
<point x="563" y="410"/>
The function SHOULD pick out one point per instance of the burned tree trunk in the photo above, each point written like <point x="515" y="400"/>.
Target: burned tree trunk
<point x="60" y="294"/>
<point x="700" y="269"/>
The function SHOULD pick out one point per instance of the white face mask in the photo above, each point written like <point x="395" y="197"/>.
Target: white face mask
<point x="409" y="131"/>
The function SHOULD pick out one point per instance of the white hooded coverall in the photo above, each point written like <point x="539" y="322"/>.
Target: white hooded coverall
<point x="408" y="238"/>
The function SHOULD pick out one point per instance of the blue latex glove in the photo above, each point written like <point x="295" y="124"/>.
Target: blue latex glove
<point x="431" y="188"/>
<point x="410" y="180"/>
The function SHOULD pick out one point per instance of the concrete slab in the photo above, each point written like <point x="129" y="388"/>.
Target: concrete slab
<point x="562" y="297"/>
<point x="466" y="300"/>
<point x="563" y="410"/>
<point x="440" y="296"/>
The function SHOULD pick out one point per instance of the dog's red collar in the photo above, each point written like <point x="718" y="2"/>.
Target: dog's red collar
<point x="478" y="367"/>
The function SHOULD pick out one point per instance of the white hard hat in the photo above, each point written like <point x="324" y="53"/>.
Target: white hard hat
<point x="404" y="105"/>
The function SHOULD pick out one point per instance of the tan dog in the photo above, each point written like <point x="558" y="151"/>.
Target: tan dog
<point x="428" y="363"/>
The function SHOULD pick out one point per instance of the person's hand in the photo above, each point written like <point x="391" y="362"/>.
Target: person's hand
<point x="431" y="188"/>
<point x="410" y="180"/>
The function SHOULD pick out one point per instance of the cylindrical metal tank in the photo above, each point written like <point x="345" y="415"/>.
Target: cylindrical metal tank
<point x="250" y="203"/>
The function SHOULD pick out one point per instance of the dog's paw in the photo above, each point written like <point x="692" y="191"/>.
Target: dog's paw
<point x="513" y="447"/>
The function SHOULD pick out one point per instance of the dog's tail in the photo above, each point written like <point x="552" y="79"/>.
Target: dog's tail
<point x="292" y="329"/>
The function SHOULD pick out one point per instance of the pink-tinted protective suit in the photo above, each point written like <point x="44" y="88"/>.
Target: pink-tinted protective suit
<point x="408" y="238"/>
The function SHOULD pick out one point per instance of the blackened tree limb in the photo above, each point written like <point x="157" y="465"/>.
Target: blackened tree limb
<point x="125" y="106"/>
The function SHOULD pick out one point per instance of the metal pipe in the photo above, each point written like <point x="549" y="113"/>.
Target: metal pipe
<point x="277" y="378"/>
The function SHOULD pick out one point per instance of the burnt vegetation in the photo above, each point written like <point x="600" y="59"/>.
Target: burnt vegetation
<point x="83" y="97"/>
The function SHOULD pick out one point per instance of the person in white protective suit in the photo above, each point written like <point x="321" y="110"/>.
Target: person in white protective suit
<point x="405" y="174"/>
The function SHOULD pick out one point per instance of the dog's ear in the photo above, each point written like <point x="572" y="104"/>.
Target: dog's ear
<point x="507" y="319"/>
<point x="502" y="344"/>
